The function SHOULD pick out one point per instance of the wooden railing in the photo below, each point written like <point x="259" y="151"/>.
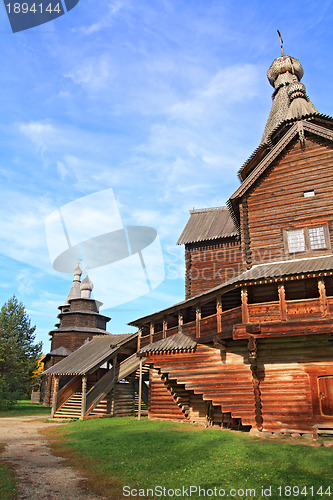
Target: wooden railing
<point x="265" y="311"/>
<point x="66" y="392"/>
<point x="171" y="331"/>
<point x="107" y="382"/>
<point x="208" y="325"/>
<point x="307" y="308"/>
<point x="231" y="317"/>
<point x="189" y="328"/>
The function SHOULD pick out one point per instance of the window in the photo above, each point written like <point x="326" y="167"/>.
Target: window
<point x="296" y="241"/>
<point x="306" y="239"/>
<point x="309" y="194"/>
<point x="317" y="237"/>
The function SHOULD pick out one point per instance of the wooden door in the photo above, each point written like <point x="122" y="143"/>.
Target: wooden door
<point x="325" y="390"/>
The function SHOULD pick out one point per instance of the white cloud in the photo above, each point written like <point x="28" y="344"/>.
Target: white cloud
<point x="94" y="74"/>
<point x="107" y="19"/>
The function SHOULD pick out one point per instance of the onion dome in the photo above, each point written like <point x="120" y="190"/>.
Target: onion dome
<point x="86" y="287"/>
<point x="75" y="291"/>
<point x="289" y="98"/>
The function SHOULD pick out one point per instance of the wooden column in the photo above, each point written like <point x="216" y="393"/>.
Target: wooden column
<point x="219" y="314"/>
<point x="323" y="298"/>
<point x="165" y="327"/>
<point x="139" y="339"/>
<point x="140" y="390"/>
<point x="114" y="391"/>
<point x="151" y="332"/>
<point x="84" y="396"/>
<point x="55" y="394"/>
<point x="180" y="322"/>
<point x="282" y="300"/>
<point x="197" y="320"/>
<point x="245" y="309"/>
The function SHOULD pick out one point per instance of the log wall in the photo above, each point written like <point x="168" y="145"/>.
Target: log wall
<point x="277" y="201"/>
<point x="285" y="384"/>
<point x="211" y="264"/>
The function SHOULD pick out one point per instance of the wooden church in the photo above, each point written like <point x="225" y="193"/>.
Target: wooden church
<point x="89" y="371"/>
<point x="251" y="346"/>
<point x="252" y="343"/>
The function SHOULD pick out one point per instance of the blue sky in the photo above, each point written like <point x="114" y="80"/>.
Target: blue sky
<point x="162" y="101"/>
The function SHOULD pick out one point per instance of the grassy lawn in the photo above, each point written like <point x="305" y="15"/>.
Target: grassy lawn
<point x="7" y="480"/>
<point x="25" y="408"/>
<point x="122" y="451"/>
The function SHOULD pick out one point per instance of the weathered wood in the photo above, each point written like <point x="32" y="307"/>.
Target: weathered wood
<point x="55" y="395"/>
<point x="140" y="390"/>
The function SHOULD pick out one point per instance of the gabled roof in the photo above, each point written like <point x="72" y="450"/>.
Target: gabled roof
<point x="176" y="343"/>
<point x="208" y="224"/>
<point x="90" y="355"/>
<point x="298" y="127"/>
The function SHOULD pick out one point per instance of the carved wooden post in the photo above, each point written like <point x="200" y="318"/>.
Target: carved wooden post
<point x="140" y="390"/>
<point x="55" y="394"/>
<point x="197" y="320"/>
<point x="323" y="299"/>
<point x="165" y="327"/>
<point x="180" y="322"/>
<point x="151" y="332"/>
<point x="252" y="347"/>
<point x="245" y="309"/>
<point x="139" y="339"/>
<point x="219" y="314"/>
<point x="84" y="396"/>
<point x="282" y="301"/>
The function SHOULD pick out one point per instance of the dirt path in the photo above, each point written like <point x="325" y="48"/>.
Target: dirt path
<point x="40" y="474"/>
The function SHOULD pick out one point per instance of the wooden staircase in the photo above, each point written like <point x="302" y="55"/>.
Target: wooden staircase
<point x="202" y="373"/>
<point x="72" y="408"/>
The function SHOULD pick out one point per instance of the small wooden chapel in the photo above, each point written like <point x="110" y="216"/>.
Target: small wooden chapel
<point x="251" y="346"/>
<point x="89" y="371"/>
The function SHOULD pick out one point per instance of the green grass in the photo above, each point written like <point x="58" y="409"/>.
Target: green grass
<point x="25" y="408"/>
<point x="123" y="451"/>
<point x="7" y="480"/>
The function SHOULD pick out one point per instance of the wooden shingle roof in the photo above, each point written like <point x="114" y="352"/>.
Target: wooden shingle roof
<point x="208" y="224"/>
<point x="90" y="355"/>
<point x="176" y="343"/>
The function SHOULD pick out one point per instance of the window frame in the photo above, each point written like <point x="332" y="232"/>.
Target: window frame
<point x="307" y="241"/>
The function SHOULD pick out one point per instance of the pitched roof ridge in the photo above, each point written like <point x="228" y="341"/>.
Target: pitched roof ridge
<point x="209" y="209"/>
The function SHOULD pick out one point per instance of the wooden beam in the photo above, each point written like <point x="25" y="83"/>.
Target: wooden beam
<point x="114" y="365"/>
<point x="282" y="301"/>
<point x="139" y="339"/>
<point x="84" y="396"/>
<point x="197" y="320"/>
<point x="140" y="390"/>
<point x="180" y="322"/>
<point x="151" y="332"/>
<point x="165" y="326"/>
<point x="55" y="394"/>
<point x="219" y="314"/>
<point x="323" y="297"/>
<point x="245" y="309"/>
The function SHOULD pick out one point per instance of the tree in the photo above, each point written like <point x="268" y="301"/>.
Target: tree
<point x="18" y="353"/>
